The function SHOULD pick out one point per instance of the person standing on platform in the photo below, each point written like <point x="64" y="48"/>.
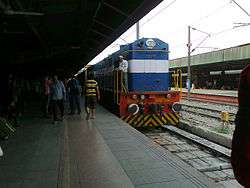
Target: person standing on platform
<point x="57" y="97"/>
<point x="123" y="67"/>
<point x="12" y="101"/>
<point x="46" y="84"/>
<point x="91" y="95"/>
<point x="74" y="90"/>
<point x="1" y="152"/>
<point x="240" y="156"/>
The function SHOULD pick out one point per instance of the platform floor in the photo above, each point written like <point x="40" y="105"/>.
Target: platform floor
<point x="100" y="153"/>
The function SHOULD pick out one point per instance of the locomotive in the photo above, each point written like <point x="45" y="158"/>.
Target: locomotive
<point x="147" y="100"/>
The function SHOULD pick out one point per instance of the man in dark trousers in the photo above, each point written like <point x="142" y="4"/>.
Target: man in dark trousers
<point x="57" y="97"/>
<point x="74" y="90"/>
<point x="46" y="84"/>
<point x="123" y="67"/>
<point x="240" y="156"/>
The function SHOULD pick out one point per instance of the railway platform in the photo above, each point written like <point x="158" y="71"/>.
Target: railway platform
<point x="104" y="152"/>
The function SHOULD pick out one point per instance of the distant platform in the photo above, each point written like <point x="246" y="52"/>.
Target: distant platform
<point x="229" y="93"/>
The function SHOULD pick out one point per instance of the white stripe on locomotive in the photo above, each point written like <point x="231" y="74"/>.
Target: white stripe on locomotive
<point x="148" y="66"/>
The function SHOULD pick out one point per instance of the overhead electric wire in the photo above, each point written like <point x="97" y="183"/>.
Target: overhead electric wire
<point x="211" y="13"/>
<point x="160" y="11"/>
<point x="197" y="46"/>
<point x="182" y="28"/>
<point x="211" y="35"/>
<point x="240" y="7"/>
<point x="223" y="31"/>
<point x="202" y="18"/>
<point x="185" y="44"/>
<point x="216" y="10"/>
<point x="228" y="29"/>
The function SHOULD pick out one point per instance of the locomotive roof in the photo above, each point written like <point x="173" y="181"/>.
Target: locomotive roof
<point x="140" y="45"/>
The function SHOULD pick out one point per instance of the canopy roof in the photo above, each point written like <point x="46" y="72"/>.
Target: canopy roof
<point x="64" y="33"/>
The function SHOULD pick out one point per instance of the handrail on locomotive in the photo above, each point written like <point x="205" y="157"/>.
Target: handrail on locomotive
<point x="118" y="76"/>
<point x="177" y="76"/>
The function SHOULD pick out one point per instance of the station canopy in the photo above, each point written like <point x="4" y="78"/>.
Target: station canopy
<point x="64" y="33"/>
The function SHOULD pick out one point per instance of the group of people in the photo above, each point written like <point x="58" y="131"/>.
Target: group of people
<point x="15" y="93"/>
<point x="54" y="95"/>
<point x="57" y="92"/>
<point x="18" y="91"/>
<point x="54" y="92"/>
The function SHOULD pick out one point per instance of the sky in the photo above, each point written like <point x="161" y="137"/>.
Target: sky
<point x="214" y="21"/>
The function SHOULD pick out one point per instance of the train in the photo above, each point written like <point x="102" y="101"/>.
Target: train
<point x="148" y="100"/>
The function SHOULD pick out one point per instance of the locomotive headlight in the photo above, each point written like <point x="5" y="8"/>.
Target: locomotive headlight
<point x="134" y="97"/>
<point x="176" y="107"/>
<point x="133" y="109"/>
<point x="169" y="96"/>
<point x="142" y="97"/>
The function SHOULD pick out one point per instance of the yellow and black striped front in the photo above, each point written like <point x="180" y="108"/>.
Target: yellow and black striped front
<point x="91" y="87"/>
<point x="153" y="120"/>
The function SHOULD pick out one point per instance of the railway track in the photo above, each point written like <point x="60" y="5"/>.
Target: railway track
<point x="208" y="158"/>
<point x="206" y="112"/>
<point x="215" y="98"/>
<point x="208" y="116"/>
<point x="211" y="101"/>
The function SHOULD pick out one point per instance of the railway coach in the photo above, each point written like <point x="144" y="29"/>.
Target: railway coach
<point x="147" y="100"/>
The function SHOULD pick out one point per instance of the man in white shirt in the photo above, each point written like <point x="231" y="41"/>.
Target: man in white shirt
<point x="123" y="66"/>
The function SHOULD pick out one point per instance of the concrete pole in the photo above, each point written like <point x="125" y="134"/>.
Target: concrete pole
<point x="189" y="61"/>
<point x="137" y="30"/>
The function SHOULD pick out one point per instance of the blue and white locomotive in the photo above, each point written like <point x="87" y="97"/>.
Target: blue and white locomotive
<point x="148" y="100"/>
